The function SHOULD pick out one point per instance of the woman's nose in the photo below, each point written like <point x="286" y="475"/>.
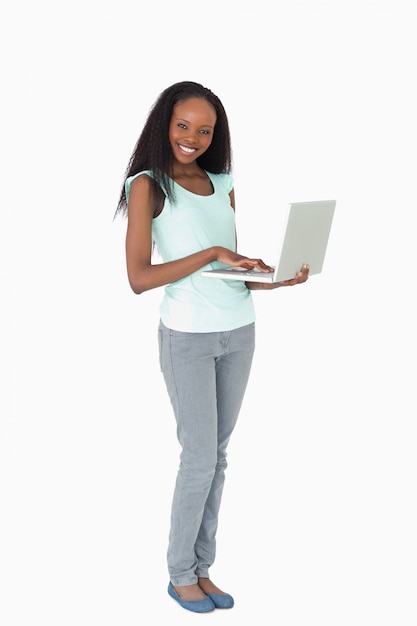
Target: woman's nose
<point x="191" y="137"/>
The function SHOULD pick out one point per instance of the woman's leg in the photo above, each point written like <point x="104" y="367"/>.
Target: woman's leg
<point x="232" y="374"/>
<point x="206" y="375"/>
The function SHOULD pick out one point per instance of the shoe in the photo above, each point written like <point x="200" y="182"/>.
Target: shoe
<point x="221" y="600"/>
<point x="197" y="606"/>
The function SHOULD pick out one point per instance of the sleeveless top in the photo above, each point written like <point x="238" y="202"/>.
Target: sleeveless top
<point x="197" y="304"/>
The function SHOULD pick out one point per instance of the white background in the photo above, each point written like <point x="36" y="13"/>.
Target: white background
<point x="319" y="511"/>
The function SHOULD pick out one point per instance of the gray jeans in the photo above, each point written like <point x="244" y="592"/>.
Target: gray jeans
<point x="206" y="376"/>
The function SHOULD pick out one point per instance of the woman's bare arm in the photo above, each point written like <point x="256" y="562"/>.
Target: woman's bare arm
<point x="142" y="274"/>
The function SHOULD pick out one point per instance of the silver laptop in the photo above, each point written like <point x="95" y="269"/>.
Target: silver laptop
<point x="305" y="240"/>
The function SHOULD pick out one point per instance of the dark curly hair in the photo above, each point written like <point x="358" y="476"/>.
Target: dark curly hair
<point x="153" y="150"/>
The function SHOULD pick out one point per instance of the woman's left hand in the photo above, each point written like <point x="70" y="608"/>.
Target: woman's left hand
<point x="300" y="277"/>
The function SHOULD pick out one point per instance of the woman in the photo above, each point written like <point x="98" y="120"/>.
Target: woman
<point x="178" y="194"/>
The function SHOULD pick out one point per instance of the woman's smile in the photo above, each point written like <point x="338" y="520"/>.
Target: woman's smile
<point x="186" y="149"/>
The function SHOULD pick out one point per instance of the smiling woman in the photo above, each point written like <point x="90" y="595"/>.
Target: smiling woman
<point x="179" y="193"/>
<point x="190" y="135"/>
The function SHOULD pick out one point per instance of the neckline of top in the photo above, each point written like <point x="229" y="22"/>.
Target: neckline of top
<point x="198" y="194"/>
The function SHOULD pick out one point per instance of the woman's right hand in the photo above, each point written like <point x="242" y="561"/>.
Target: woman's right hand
<point x="224" y="255"/>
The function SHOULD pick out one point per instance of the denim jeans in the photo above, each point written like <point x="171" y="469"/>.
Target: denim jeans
<point x="206" y="376"/>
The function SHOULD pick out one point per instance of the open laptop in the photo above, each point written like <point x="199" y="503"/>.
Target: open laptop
<point x="305" y="240"/>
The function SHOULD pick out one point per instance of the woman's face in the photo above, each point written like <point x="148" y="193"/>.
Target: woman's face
<point x="191" y="129"/>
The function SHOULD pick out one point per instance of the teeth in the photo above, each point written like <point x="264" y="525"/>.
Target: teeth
<point x="186" y="149"/>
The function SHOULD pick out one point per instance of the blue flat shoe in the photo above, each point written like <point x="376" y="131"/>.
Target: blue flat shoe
<point x="197" y="606"/>
<point x="221" y="600"/>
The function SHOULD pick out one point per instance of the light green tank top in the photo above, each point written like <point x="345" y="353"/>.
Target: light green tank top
<point x="193" y="223"/>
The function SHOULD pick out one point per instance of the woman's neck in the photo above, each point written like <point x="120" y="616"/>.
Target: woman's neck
<point x="193" y="170"/>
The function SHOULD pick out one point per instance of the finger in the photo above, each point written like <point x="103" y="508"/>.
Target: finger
<point x="303" y="275"/>
<point x="262" y="266"/>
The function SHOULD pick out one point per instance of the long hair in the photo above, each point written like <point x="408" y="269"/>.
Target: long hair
<point x="153" y="150"/>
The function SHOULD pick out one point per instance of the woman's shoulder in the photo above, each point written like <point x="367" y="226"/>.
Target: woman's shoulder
<point x="141" y="178"/>
<point x="225" y="180"/>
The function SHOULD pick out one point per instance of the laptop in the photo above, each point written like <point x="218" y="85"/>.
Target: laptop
<point x="305" y="239"/>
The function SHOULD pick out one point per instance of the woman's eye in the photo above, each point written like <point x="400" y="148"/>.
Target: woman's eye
<point x="181" y="125"/>
<point x="205" y="132"/>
